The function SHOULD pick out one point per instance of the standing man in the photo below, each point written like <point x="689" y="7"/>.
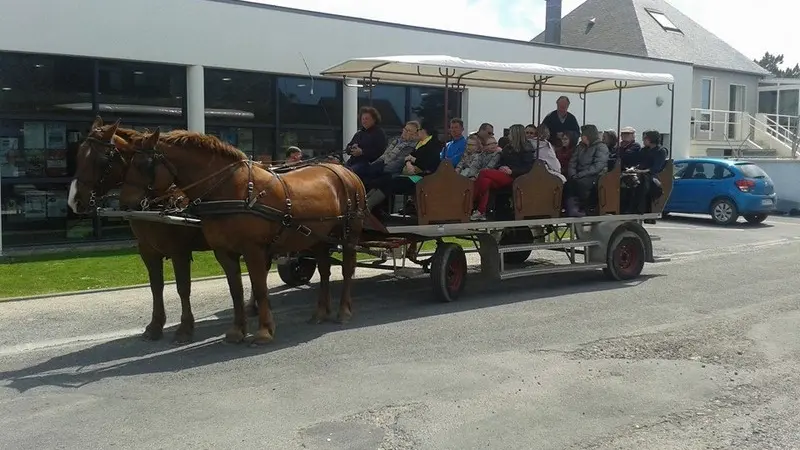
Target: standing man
<point x="454" y="150"/>
<point x="561" y="120"/>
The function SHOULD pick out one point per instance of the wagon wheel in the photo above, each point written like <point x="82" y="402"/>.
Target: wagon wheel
<point x="516" y="236"/>
<point x="448" y="271"/>
<point x="625" y="257"/>
<point x="297" y="271"/>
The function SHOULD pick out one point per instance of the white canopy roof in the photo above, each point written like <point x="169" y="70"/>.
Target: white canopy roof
<point x="431" y="69"/>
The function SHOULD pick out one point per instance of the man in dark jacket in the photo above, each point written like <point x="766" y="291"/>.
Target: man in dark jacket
<point x="629" y="149"/>
<point x="641" y="185"/>
<point x="561" y="120"/>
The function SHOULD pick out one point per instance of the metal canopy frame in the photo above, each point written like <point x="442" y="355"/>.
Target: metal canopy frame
<point x="458" y="73"/>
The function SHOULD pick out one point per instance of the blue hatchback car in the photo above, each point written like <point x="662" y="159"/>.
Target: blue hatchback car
<point x="726" y="189"/>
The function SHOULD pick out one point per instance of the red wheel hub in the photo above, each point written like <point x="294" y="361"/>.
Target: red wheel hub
<point x="455" y="274"/>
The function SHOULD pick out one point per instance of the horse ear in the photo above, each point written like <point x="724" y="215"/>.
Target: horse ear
<point x="98" y="122"/>
<point x="111" y="130"/>
<point x="151" y="140"/>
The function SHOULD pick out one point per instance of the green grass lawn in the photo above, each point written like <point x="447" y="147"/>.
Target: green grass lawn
<point x="79" y="271"/>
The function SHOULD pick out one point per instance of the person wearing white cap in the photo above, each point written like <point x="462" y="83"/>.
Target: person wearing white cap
<point x="628" y="150"/>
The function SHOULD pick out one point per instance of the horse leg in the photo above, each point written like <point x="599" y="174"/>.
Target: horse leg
<point x="323" y="311"/>
<point x="258" y="265"/>
<point x="252" y="306"/>
<point x="348" y="270"/>
<point x="154" y="262"/>
<point x="182" y="265"/>
<point x="233" y="272"/>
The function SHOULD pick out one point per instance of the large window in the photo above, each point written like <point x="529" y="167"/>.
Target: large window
<point x="788" y="102"/>
<point x="141" y="93"/>
<point x="391" y="103"/>
<point x="399" y="104"/>
<point x="47" y="104"/>
<point x="39" y="85"/>
<point x="239" y="98"/>
<point x="308" y="101"/>
<point x="768" y="102"/>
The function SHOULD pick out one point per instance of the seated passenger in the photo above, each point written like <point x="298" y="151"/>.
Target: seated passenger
<point x="564" y="152"/>
<point x="515" y="159"/>
<point x="368" y="143"/>
<point x="424" y="160"/>
<point x="545" y="152"/>
<point x="393" y="159"/>
<point x="588" y="162"/>
<point x="530" y="132"/>
<point x="485" y="154"/>
<point x="612" y="141"/>
<point x="454" y="149"/>
<point x="628" y="148"/>
<point x="640" y="184"/>
<point x="293" y="155"/>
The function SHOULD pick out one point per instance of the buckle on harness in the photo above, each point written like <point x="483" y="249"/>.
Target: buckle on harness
<point x="304" y="230"/>
<point x="287" y="220"/>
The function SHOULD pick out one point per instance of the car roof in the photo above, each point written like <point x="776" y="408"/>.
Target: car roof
<point x="721" y="161"/>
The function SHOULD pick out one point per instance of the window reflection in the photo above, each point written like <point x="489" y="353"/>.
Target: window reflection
<point x="309" y="101"/>
<point x="390" y="101"/>
<point x="246" y="98"/>
<point x="311" y="142"/>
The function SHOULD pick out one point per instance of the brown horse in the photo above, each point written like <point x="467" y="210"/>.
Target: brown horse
<point x="102" y="161"/>
<point x="255" y="212"/>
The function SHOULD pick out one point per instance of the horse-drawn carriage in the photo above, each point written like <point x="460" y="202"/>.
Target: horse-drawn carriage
<point x="301" y="216"/>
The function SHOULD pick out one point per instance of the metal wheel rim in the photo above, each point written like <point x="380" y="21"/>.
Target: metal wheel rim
<point x="304" y="269"/>
<point x="723" y="211"/>
<point x="454" y="274"/>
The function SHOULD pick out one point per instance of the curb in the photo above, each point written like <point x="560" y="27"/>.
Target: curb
<point x="101" y="290"/>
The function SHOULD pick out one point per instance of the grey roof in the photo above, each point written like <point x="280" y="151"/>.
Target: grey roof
<point x="626" y="26"/>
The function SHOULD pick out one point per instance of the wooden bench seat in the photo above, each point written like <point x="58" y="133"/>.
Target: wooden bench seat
<point x="666" y="179"/>
<point x="444" y="197"/>
<point x="537" y="194"/>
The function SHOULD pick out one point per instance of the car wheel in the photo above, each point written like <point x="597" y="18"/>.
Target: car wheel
<point x="755" y="218"/>
<point x="724" y="212"/>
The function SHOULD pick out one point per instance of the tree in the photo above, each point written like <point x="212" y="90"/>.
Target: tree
<point x="773" y="64"/>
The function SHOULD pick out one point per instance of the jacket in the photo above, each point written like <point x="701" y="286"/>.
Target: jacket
<point x="591" y="161"/>
<point x="555" y="125"/>
<point x="477" y="157"/>
<point x="393" y="158"/>
<point x="371" y="141"/>
<point x="652" y="159"/>
<point x="519" y="161"/>
<point x="629" y="154"/>
<point x="428" y="156"/>
<point x="546" y="153"/>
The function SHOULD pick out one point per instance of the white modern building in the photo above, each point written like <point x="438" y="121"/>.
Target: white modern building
<point x="249" y="74"/>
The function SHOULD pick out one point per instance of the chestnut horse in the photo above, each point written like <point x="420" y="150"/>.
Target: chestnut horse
<point x="102" y="161"/>
<point x="255" y="212"/>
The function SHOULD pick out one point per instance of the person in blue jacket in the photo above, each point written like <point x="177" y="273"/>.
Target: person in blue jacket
<point x="454" y="149"/>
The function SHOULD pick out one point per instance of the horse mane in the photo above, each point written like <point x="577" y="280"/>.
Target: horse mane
<point x="212" y="144"/>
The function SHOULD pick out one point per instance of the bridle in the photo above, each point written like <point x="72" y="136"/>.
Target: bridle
<point x="110" y="155"/>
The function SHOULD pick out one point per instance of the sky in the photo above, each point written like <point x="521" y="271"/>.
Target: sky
<point x="750" y="26"/>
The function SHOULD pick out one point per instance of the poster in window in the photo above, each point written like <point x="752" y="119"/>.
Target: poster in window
<point x="56" y="134"/>
<point x="35" y="205"/>
<point x="33" y="135"/>
<point x="11" y="161"/>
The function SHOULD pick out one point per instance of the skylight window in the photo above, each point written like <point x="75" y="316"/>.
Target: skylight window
<point x="663" y="20"/>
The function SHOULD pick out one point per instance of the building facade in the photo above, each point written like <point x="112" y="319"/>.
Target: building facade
<point x="725" y="82"/>
<point x="247" y="73"/>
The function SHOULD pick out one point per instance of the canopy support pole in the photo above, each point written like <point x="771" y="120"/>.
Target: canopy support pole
<point x="534" y="93"/>
<point x="620" y="85"/>
<point x="539" y="81"/>
<point x="582" y="96"/>
<point x="446" y="74"/>
<point x="671" y="88"/>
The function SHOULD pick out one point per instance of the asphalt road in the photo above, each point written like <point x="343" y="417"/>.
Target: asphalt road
<point x="701" y="352"/>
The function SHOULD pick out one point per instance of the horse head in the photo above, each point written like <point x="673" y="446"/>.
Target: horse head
<point x="101" y="165"/>
<point x="150" y="177"/>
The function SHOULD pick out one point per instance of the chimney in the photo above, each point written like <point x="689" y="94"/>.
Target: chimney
<point x="552" y="29"/>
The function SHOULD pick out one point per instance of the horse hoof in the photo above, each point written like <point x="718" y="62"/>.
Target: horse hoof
<point x="262" y="337"/>
<point x="234" y="336"/>
<point x="343" y="318"/>
<point x="318" y="318"/>
<point x="152" y="333"/>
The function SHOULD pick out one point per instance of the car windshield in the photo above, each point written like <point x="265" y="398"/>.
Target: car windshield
<point x="751" y="170"/>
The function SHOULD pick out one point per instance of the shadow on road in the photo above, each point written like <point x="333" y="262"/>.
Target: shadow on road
<point x="378" y="300"/>
<point x="703" y="221"/>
